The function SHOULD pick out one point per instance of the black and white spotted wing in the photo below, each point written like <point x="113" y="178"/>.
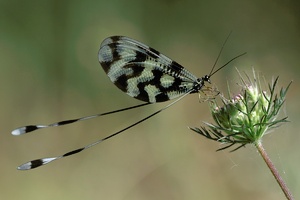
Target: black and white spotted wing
<point x="142" y="73"/>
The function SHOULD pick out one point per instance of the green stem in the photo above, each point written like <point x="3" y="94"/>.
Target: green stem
<point x="274" y="171"/>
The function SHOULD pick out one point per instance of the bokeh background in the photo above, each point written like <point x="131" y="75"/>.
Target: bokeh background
<point x="50" y="72"/>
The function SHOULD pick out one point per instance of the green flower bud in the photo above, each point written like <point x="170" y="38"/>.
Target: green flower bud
<point x="246" y="117"/>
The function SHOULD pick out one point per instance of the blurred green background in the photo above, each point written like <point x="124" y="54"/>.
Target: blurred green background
<point x="50" y="72"/>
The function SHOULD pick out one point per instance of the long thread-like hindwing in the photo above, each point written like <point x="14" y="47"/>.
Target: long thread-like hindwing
<point x="142" y="72"/>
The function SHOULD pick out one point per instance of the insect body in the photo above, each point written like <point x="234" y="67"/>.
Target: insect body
<point x="142" y="73"/>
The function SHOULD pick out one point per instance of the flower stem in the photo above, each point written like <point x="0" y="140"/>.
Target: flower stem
<point x="274" y="171"/>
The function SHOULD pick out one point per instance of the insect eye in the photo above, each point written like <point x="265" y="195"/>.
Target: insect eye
<point x="206" y="78"/>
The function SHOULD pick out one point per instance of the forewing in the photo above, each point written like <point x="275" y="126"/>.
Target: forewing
<point x="142" y="72"/>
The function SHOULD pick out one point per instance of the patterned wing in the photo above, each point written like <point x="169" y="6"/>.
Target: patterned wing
<point x="143" y="72"/>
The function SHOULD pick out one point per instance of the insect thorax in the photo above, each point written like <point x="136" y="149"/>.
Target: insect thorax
<point x="198" y="84"/>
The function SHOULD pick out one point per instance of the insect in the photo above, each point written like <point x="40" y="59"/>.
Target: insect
<point x="142" y="73"/>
